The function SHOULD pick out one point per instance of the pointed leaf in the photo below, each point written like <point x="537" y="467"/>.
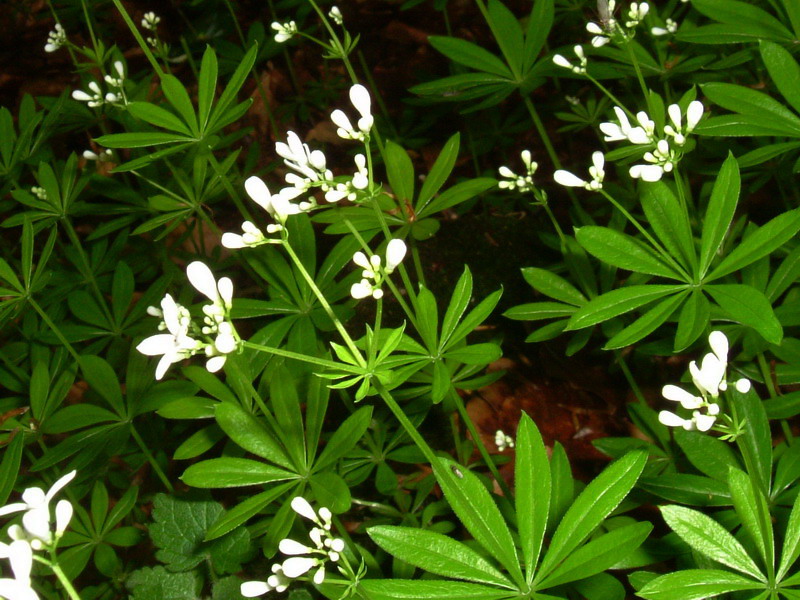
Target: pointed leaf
<point x="232" y="472"/>
<point x="748" y="306"/>
<point x="618" y="302"/>
<point x="647" y="323"/>
<point x="696" y="584"/>
<point x="533" y="489"/>
<point x="622" y="251"/>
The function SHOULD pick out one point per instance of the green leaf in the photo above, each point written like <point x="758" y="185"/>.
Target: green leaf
<point x="420" y="589"/>
<point x="791" y="544"/>
<point x="622" y="251"/>
<point x="439" y="172"/>
<point x="720" y="211"/>
<point x="537" y="311"/>
<point x="478" y="512"/>
<point x="470" y="55"/>
<point x="160" y="117"/>
<point x="618" y="302"/>
<point x="753" y="510"/>
<point x="708" y="454"/>
<point x="122" y="287"/>
<point x="9" y="467"/>
<point x="751" y="103"/>
<point x="474" y="318"/>
<point x="286" y="406"/>
<point x="250" y="433"/>
<point x="533" y="489"/>
<point x="437" y="554"/>
<point x="670" y="222"/>
<point x="232" y="472"/>
<point x="748" y="306"/>
<point x="696" y="584"/>
<point x="475" y="354"/>
<point x="179" y="531"/>
<point x="508" y="33"/>
<point x="540" y="22"/>
<point x="647" y="323"/>
<point x="784" y="70"/>
<point x="591" y="507"/>
<point x="710" y="539"/>
<point x="427" y="318"/>
<point x="692" y="320"/>
<point x="178" y="97"/>
<point x="461" y="192"/>
<point x="459" y="301"/>
<point x="762" y="242"/>
<point x="734" y="12"/>
<point x="784" y="276"/>
<point x="400" y="172"/>
<point x="157" y="582"/>
<point x="206" y="86"/>
<point x="346" y="436"/>
<point x="598" y="555"/>
<point x="554" y="286"/>
<point x="140" y="139"/>
<point x="688" y="489"/>
<point x="243" y="511"/>
<point x="232" y="89"/>
<point x="102" y="379"/>
<point x="755" y="443"/>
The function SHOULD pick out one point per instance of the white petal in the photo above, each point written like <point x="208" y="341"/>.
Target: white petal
<point x="719" y="345"/>
<point x="710" y="374"/>
<point x="21" y="559"/>
<point x="215" y="363"/>
<point x="156" y="345"/>
<point x="60" y="483"/>
<point x="297" y="566"/>
<point x="703" y="422"/>
<point x="693" y="114"/>
<point x="201" y="277"/>
<point x="233" y="241"/>
<point x="251" y="589"/>
<point x="340" y="120"/>
<point x="674" y="112"/>
<point x="12" y="508"/>
<point x="568" y="179"/>
<point x="612" y="132"/>
<point x="225" y="343"/>
<point x="359" y="96"/>
<point x="676" y="394"/>
<point x="16" y="590"/>
<point x="361" y="260"/>
<point x="562" y="61"/>
<point x="319" y="576"/>
<point x="743" y="386"/>
<point x="164" y="364"/>
<point x="225" y="287"/>
<point x="81" y="96"/>
<point x="395" y="253"/>
<point x="37" y="523"/>
<point x="64" y="512"/>
<point x="637" y="135"/>
<point x="649" y="173"/>
<point x="361" y="290"/>
<point x="292" y="547"/>
<point x="301" y="506"/>
<point x="259" y="192"/>
<point x="671" y="419"/>
<point x="598" y="160"/>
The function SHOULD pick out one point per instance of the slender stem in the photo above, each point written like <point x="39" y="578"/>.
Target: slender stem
<point x="610" y="96"/>
<point x="405" y="422"/>
<point x="64" y="580"/>
<point x="212" y="160"/>
<point x="769" y="381"/>
<point x="639" y="76"/>
<point x="623" y="365"/>
<point x="151" y="459"/>
<point x="476" y="436"/>
<point x="304" y="358"/>
<point x="325" y="305"/>
<point x="139" y="39"/>
<point x="91" y="32"/>
<point x="49" y="322"/>
<point x="556" y="226"/>
<point x="540" y="128"/>
<point x="418" y="265"/>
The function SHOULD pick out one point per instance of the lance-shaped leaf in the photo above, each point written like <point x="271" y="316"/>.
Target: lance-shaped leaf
<point x="232" y="472"/>
<point x="696" y="584"/>
<point x="753" y="510"/>
<point x="420" y="589"/>
<point x="533" y="489"/>
<point x="622" y="251"/>
<point x="647" y="323"/>
<point x="618" y="302"/>
<point x="748" y="306"/>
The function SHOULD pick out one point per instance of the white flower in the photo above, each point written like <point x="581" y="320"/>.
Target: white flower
<point x="201" y="277"/>
<point x="39" y="192"/>
<point x="336" y="15"/>
<point x="677" y="130"/>
<point x="523" y="183"/>
<point x="670" y="27"/>
<point x="105" y="155"/>
<point x="284" y="31"/>
<point x="564" y="62"/>
<point x="176" y="345"/>
<point x="568" y="179"/>
<point x="94" y="99"/>
<point x="503" y="441"/>
<point x="372" y="274"/>
<point x="646" y="172"/>
<point x="251" y="237"/>
<point x="687" y="400"/>
<point x="20" y="555"/>
<point x="36" y="504"/>
<point x="359" y="97"/>
<point x="119" y="79"/>
<point x="743" y="386"/>
<point x="150" y="21"/>
<point x="600" y="36"/>
<point x="251" y="589"/>
<point x="278" y="205"/>
<point x="395" y="253"/>
<point x="55" y="39"/>
<point x="636" y="13"/>
<point x="311" y="165"/>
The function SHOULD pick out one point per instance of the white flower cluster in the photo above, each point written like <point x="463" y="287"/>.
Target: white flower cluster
<point x="336" y="15"/>
<point x="39" y="192"/>
<point x="667" y="149"/>
<point x="609" y="27"/>
<point x="284" y="31"/>
<point x="219" y="338"/>
<point x="669" y="28"/>
<point x="95" y="96"/>
<point x="104" y="156"/>
<point x="580" y="68"/>
<point x="55" y="39"/>
<point x="596" y="171"/>
<point x="503" y="441"/>
<point x="709" y="379"/>
<point x="38" y="532"/>
<point x="150" y="21"/>
<point x="523" y="183"/>
<point x="309" y="170"/>
<point x="373" y="275"/>
<point x="302" y="558"/>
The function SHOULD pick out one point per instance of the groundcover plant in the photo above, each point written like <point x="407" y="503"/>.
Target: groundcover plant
<point x="265" y="323"/>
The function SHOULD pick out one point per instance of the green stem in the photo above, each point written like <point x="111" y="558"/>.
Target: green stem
<point x="405" y="422"/>
<point x="556" y="226"/>
<point x="769" y="381"/>
<point x="48" y="321"/>
<point x="321" y="362"/>
<point x="639" y="76"/>
<point x="487" y="458"/>
<point x="151" y="459"/>
<point x="64" y="580"/>
<point x="91" y="32"/>
<point x="325" y="305"/>
<point x="139" y="39"/>
<point x="623" y="365"/>
<point x="212" y="160"/>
